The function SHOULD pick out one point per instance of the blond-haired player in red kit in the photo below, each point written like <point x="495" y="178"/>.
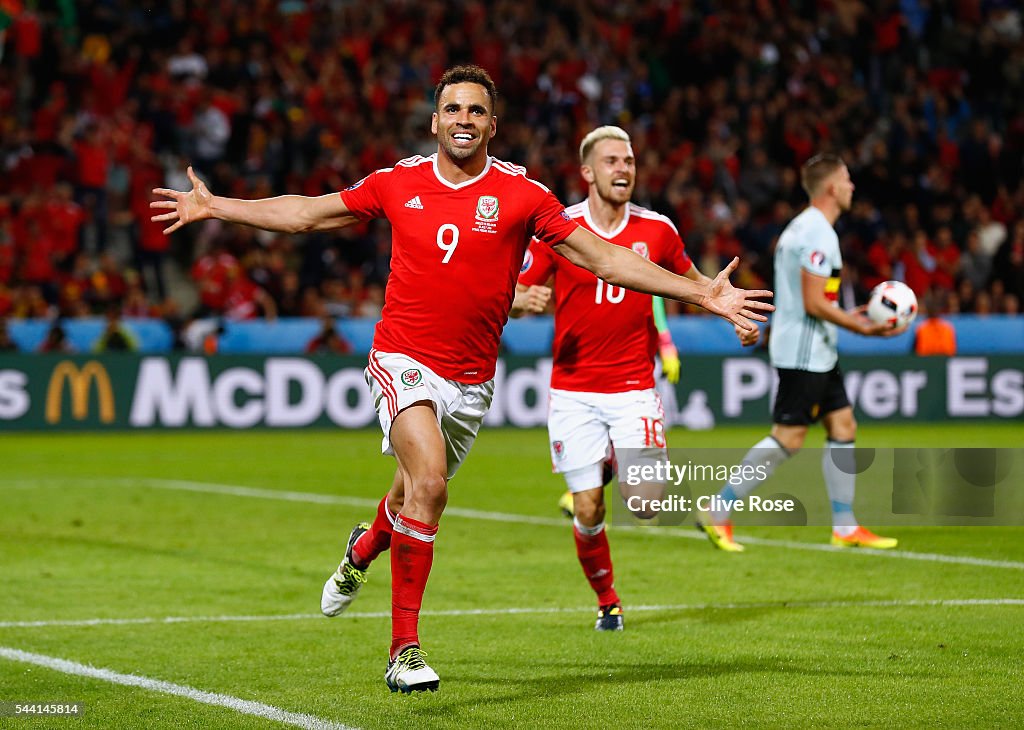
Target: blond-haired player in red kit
<point x="461" y="221"/>
<point x="602" y="399"/>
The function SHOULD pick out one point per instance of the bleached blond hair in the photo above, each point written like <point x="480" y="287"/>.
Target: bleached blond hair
<point x="606" y="132"/>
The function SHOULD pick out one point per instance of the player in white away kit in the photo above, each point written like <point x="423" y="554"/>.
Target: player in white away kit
<point x="461" y="221"/>
<point x="602" y="397"/>
<point x="803" y="350"/>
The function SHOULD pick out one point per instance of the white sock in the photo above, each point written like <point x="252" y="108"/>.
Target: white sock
<point x="588" y="531"/>
<point x="839" y="466"/>
<point x="766" y="454"/>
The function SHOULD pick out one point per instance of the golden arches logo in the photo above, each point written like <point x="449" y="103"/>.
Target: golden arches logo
<point x="79" y="380"/>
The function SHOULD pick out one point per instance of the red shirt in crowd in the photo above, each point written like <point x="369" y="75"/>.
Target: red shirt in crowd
<point x="210" y="273"/>
<point x="93" y="164"/>
<point x="64" y="219"/>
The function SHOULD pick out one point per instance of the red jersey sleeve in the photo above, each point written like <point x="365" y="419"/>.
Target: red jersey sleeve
<point x="550" y="223"/>
<point x="538" y="264"/>
<point x="363" y="199"/>
<point x="675" y="254"/>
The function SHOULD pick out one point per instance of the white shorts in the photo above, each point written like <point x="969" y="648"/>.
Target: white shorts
<point x="397" y="381"/>
<point x="584" y="428"/>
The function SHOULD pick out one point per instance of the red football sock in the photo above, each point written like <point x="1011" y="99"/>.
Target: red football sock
<point x="413" y="552"/>
<point x="377" y="539"/>
<point x="596" y="560"/>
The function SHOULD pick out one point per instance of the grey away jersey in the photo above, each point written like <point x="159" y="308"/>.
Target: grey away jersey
<point x="799" y="341"/>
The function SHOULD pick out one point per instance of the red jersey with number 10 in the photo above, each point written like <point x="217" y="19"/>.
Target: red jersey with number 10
<point x="456" y="251"/>
<point x="605" y="338"/>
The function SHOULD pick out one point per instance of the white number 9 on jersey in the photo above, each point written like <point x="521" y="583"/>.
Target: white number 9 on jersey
<point x="448" y="248"/>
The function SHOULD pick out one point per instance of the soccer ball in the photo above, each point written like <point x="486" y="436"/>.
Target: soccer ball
<point x="892" y="302"/>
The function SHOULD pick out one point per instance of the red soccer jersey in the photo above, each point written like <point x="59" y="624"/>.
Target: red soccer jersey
<point x="456" y="252"/>
<point x="605" y="338"/>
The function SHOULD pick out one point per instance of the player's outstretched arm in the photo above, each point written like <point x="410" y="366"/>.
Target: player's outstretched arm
<point x="620" y="266"/>
<point x="818" y="305"/>
<point x="286" y="213"/>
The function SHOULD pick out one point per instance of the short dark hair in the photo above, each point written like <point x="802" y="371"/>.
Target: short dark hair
<point x="467" y="74"/>
<point x="816" y="169"/>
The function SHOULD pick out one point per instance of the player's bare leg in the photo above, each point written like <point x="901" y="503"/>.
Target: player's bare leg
<point x="608" y="468"/>
<point x="595" y="556"/>
<point x="638" y="498"/>
<point x="839" y="468"/>
<point x="365" y="542"/>
<point x="420" y="450"/>
<point x="791" y="438"/>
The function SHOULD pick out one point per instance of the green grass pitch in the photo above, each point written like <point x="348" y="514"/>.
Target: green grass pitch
<point x="144" y="527"/>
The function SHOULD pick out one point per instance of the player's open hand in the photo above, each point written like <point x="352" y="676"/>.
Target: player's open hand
<point x="184" y="207"/>
<point x="739" y="306"/>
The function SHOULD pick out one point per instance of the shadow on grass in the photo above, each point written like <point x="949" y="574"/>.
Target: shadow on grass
<point x="562" y="678"/>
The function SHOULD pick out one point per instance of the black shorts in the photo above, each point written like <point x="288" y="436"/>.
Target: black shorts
<point x="804" y="397"/>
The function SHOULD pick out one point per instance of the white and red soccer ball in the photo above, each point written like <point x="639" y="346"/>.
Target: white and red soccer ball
<point x="893" y="303"/>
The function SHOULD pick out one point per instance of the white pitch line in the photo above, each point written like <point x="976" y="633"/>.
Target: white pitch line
<point x="508" y="517"/>
<point x="237" y="704"/>
<point x="511" y="611"/>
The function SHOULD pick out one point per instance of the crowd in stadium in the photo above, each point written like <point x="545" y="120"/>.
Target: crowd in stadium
<point x="103" y="100"/>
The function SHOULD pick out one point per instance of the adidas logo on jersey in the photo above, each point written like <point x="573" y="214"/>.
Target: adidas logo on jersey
<point x="415" y="203"/>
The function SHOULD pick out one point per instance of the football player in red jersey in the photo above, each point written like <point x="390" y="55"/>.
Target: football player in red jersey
<point x="602" y="400"/>
<point x="461" y="221"/>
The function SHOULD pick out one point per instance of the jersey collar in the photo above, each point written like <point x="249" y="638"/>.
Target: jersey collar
<point x="597" y="229"/>
<point x="454" y="186"/>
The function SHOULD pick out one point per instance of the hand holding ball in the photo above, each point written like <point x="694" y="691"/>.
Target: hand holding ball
<point x="893" y="303"/>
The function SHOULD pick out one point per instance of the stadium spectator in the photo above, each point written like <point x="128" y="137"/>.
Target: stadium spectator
<point x="75" y="296"/>
<point x="808" y="263"/>
<point x="243" y="299"/>
<point x="438" y="216"/>
<point x="135" y="304"/>
<point x="1009" y="263"/>
<point x="372" y="304"/>
<point x="947" y="260"/>
<point x="975" y="264"/>
<point x="56" y="340"/>
<point x="935" y="335"/>
<point x="65" y="219"/>
<point x="92" y="164"/>
<point x="116" y="337"/>
<point x="6" y="343"/>
<point x="203" y="335"/>
<point x="150" y="246"/>
<point x="983" y="305"/>
<point x="328" y="340"/>
<point x="107" y="284"/>
<point x="211" y="131"/>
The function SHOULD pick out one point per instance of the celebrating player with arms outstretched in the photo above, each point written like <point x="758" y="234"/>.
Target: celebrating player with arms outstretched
<point x="602" y="398"/>
<point x="461" y="221"/>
